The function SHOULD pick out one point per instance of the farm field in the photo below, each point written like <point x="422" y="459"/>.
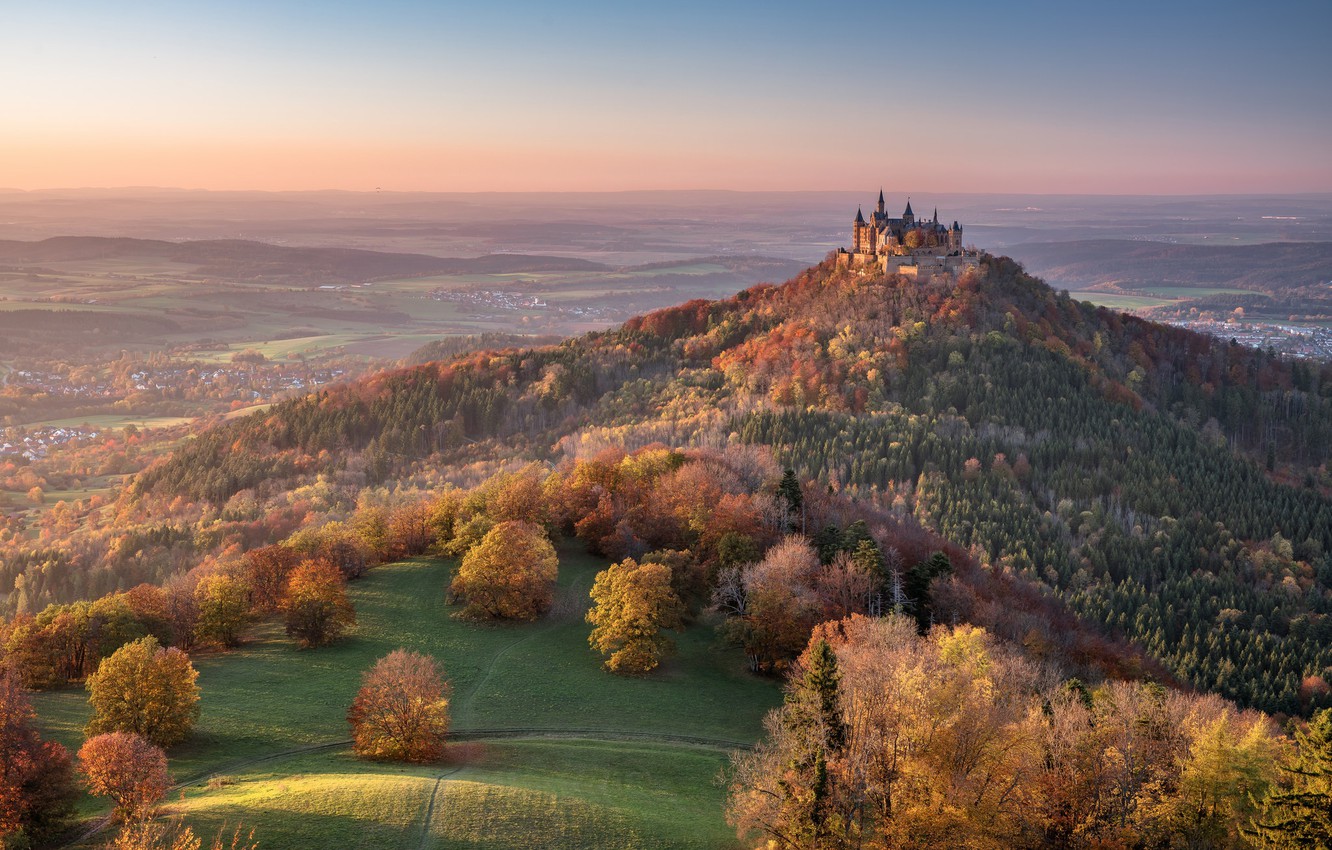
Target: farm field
<point x="539" y="728"/>
<point x="1120" y="301"/>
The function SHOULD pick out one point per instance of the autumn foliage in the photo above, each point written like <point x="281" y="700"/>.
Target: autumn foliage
<point x="401" y="712"/>
<point x="316" y="605"/>
<point x="145" y="689"/>
<point x="510" y="574"/>
<point x="633" y="604"/>
<point x="36" y="780"/>
<point x="127" y="768"/>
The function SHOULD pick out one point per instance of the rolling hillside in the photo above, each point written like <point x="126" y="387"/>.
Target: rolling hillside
<point x="1169" y="488"/>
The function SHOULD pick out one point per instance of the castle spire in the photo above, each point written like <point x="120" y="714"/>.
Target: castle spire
<point x="908" y="210"/>
<point x="879" y="208"/>
<point x="936" y="215"/>
<point x="860" y="218"/>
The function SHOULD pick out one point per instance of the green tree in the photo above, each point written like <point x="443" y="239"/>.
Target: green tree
<point x="1301" y="816"/>
<point x="145" y="689"/>
<point x="634" y="603"/>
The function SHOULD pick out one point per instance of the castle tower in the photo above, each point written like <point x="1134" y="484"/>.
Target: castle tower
<point x="860" y="234"/>
<point x="880" y="207"/>
<point x="908" y="217"/>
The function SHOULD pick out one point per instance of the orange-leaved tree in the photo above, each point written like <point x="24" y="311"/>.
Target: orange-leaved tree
<point x="510" y="574"/>
<point x="316" y="604"/>
<point x="36" y="783"/>
<point x="129" y="769"/>
<point x="145" y="689"/>
<point x="634" y="603"/>
<point x="401" y="712"/>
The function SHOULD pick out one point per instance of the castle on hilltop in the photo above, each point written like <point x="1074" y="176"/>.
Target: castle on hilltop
<point x="906" y="245"/>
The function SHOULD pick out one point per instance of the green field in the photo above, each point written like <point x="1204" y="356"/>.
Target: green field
<point x="1191" y="292"/>
<point x="548" y="744"/>
<point x="1120" y="301"/>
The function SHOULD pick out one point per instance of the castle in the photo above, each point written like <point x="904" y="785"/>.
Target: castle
<point x="905" y="245"/>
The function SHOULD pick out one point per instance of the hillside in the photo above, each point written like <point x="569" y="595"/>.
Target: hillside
<point x="548" y="750"/>
<point x="1116" y="462"/>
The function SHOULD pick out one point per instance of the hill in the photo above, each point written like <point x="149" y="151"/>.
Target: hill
<point x="548" y="750"/>
<point x="1165" y="486"/>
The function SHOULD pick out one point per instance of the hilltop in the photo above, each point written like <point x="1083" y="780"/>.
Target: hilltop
<point x="1162" y="485"/>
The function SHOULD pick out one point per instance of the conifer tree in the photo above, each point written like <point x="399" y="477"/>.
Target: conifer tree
<point x="1301" y="817"/>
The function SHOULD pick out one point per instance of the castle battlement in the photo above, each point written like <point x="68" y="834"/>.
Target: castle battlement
<point x="906" y="245"/>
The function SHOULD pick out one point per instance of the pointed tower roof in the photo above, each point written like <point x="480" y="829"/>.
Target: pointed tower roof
<point x="881" y="194"/>
<point x="860" y="217"/>
<point x="936" y="215"/>
<point x="956" y="226"/>
<point x="908" y="211"/>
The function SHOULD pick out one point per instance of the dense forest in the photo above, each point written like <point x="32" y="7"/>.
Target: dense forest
<point x="1170" y="488"/>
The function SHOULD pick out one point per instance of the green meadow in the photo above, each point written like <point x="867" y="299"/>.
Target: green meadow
<point x="549" y="750"/>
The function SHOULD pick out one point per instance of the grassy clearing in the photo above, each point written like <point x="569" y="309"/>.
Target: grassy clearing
<point x="1119" y="301"/>
<point x="537" y="794"/>
<point x="268" y="699"/>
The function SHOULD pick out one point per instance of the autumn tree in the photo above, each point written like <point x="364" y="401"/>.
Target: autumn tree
<point x="510" y="574"/>
<point x="633" y="604"/>
<point x="401" y="712"/>
<point x="145" y="689"/>
<point x="129" y="769"/>
<point x="318" y="611"/>
<point x="1301" y="815"/>
<point x="36" y="780"/>
<point x="266" y="571"/>
<point x="223" y="602"/>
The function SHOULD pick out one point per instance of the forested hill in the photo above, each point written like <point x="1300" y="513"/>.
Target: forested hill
<point x="1166" y="485"/>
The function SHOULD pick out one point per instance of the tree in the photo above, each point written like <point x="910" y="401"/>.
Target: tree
<point x="318" y="611"/>
<point x="267" y="570"/>
<point x="401" y="712"/>
<point x="510" y="574"/>
<point x="36" y="781"/>
<point x="129" y="769"/>
<point x="633" y="604"/>
<point x="224" y="609"/>
<point x="145" y="689"/>
<point x="1301" y="816"/>
<point x="918" y="587"/>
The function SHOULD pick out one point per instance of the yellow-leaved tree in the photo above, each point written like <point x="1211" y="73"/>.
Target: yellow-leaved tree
<point x="634" y="604"/>
<point x="145" y="689"/>
<point x="510" y="574"/>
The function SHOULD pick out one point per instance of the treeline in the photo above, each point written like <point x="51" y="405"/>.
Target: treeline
<point x="736" y="534"/>
<point x="889" y="738"/>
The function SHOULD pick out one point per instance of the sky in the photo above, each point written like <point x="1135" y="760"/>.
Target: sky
<point x="1165" y="97"/>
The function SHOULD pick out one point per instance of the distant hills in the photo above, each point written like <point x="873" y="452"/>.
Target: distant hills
<point x="235" y="259"/>
<point x="1271" y="268"/>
